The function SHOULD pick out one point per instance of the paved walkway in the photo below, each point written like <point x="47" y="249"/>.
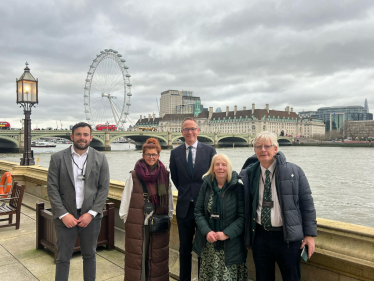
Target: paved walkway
<point x="21" y="261"/>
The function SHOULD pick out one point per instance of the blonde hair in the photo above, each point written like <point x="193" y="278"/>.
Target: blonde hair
<point x="265" y="136"/>
<point x="228" y="164"/>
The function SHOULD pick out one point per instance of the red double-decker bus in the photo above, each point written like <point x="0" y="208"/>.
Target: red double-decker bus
<point x="104" y="127"/>
<point x="4" y="125"/>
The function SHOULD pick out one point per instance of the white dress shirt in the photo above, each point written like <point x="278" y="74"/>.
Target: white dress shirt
<point x="276" y="216"/>
<point x="79" y="168"/>
<point x="194" y="148"/>
<point x="126" y="198"/>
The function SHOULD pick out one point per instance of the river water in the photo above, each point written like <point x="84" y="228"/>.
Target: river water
<point x="341" y="178"/>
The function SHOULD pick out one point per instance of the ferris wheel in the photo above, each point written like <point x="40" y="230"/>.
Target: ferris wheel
<point x="107" y="91"/>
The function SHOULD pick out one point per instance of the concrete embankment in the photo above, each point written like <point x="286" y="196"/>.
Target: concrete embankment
<point x="343" y="251"/>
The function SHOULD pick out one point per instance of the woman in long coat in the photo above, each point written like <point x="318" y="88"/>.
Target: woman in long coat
<point x="146" y="254"/>
<point x="219" y="216"/>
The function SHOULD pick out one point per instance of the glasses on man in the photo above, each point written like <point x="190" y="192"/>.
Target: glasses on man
<point x="151" y="155"/>
<point x="186" y="130"/>
<point x="259" y="147"/>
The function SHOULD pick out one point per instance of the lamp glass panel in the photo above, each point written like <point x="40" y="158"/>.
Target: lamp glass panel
<point x="19" y="91"/>
<point x="29" y="91"/>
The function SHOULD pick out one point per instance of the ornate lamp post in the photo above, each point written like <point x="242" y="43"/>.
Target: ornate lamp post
<point x="27" y="97"/>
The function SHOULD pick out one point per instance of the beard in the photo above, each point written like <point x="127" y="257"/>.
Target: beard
<point x="76" y="145"/>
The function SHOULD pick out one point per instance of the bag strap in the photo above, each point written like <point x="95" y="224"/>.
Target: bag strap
<point x="145" y="192"/>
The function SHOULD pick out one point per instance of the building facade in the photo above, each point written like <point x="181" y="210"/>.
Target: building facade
<point x="359" y="129"/>
<point x="178" y="102"/>
<point x="333" y="115"/>
<point x="244" y="121"/>
<point x="169" y="101"/>
<point x="307" y="114"/>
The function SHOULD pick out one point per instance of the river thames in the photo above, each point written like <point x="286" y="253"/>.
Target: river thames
<point x="341" y="178"/>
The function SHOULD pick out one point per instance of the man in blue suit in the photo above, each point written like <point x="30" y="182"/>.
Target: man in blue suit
<point x="188" y="163"/>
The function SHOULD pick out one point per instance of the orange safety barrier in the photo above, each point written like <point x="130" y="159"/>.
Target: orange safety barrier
<point x="5" y="188"/>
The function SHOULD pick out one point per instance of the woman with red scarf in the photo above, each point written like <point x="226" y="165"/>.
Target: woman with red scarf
<point x="146" y="254"/>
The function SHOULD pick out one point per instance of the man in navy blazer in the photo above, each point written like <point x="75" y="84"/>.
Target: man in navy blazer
<point x="188" y="163"/>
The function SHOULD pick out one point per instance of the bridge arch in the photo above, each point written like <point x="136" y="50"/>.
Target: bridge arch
<point x="10" y="140"/>
<point x="145" y="136"/>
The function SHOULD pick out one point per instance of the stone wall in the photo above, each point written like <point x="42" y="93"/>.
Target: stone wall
<point x="344" y="252"/>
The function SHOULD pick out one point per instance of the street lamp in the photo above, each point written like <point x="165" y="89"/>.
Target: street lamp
<point x="27" y="97"/>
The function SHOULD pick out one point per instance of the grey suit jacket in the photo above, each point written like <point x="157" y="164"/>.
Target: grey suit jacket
<point x="61" y="189"/>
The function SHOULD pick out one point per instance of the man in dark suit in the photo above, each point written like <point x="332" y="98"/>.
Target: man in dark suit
<point x="188" y="163"/>
<point x="78" y="185"/>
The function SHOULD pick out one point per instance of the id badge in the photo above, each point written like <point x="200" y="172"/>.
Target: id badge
<point x="214" y="216"/>
<point x="267" y="204"/>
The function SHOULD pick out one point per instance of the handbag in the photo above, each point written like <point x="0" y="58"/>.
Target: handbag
<point x="156" y="223"/>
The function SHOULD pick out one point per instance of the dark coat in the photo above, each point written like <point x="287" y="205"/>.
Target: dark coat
<point x="189" y="185"/>
<point x="158" y="251"/>
<point x="233" y="219"/>
<point x="294" y="195"/>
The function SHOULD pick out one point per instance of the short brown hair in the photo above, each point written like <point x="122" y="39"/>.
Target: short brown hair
<point x="189" y="118"/>
<point x="152" y="143"/>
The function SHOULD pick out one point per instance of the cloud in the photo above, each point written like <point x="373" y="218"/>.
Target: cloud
<point x="299" y="53"/>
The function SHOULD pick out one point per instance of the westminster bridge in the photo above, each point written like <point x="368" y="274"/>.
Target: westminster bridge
<point x="13" y="140"/>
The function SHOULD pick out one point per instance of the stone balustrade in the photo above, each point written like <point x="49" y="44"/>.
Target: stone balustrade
<point x="344" y="252"/>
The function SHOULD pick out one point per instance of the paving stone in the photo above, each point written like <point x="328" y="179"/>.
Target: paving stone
<point x="6" y="257"/>
<point x="16" y="271"/>
<point x="27" y="226"/>
<point x="114" y="256"/>
<point x="23" y="247"/>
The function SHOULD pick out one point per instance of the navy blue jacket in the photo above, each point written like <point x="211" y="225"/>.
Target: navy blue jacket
<point x="294" y="195"/>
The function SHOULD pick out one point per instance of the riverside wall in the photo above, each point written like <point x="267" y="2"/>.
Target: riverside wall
<point x="344" y="252"/>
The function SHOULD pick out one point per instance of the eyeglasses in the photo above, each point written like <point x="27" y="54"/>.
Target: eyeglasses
<point x="150" y="155"/>
<point x="186" y="130"/>
<point x="259" y="147"/>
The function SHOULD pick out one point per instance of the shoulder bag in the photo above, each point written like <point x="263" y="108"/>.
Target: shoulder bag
<point x="156" y="223"/>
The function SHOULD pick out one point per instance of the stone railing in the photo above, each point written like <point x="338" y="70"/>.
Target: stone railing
<point x="343" y="251"/>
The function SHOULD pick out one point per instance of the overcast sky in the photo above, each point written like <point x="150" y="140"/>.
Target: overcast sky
<point x="305" y="54"/>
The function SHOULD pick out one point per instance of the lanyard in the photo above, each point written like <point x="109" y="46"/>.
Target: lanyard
<point x="72" y="158"/>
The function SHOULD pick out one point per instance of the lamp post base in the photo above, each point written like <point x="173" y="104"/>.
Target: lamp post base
<point x="27" y="159"/>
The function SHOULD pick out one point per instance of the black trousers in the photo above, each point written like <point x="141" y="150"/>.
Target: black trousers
<point x="269" y="248"/>
<point x="186" y="228"/>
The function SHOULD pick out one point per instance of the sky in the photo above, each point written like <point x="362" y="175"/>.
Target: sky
<point x="302" y="54"/>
